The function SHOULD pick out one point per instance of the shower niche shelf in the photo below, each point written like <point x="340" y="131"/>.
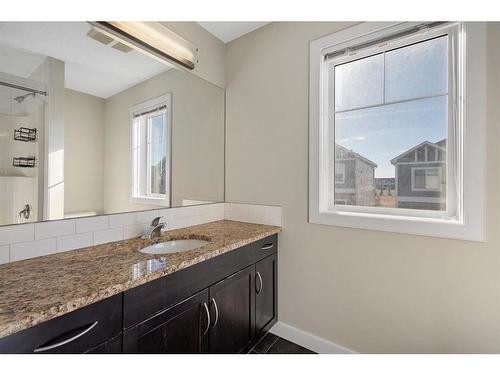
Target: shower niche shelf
<point x="25" y="134"/>
<point x="24" y="162"/>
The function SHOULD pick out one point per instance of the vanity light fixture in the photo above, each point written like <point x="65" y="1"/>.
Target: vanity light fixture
<point x="153" y="39"/>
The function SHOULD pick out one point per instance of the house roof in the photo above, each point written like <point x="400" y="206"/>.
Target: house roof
<point x="438" y="145"/>
<point x="357" y="156"/>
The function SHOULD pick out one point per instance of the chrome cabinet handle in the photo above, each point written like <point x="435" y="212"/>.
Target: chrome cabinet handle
<point x="208" y="318"/>
<point x="261" y="283"/>
<point x="267" y="246"/>
<point x="67" y="341"/>
<point x="216" y="313"/>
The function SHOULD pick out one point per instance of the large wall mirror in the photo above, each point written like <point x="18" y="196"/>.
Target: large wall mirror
<point x="90" y="126"/>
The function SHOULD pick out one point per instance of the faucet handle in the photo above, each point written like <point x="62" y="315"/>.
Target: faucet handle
<point x="156" y="221"/>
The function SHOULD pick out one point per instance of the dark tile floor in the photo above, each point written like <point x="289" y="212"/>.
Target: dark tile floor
<point x="272" y="344"/>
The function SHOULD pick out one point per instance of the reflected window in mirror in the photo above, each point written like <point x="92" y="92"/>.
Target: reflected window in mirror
<point x="150" y="151"/>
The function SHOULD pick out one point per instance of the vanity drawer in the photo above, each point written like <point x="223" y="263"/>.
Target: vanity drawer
<point x="265" y="247"/>
<point x="75" y="332"/>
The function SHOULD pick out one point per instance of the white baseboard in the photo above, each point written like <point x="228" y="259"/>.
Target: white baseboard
<point x="309" y="341"/>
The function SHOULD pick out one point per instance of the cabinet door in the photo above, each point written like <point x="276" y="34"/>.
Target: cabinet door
<point x="232" y="306"/>
<point x="181" y="328"/>
<point x="266" y="296"/>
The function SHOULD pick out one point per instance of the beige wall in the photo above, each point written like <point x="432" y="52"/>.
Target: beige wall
<point x="370" y="291"/>
<point x="197" y="140"/>
<point x="211" y="54"/>
<point x="84" y="149"/>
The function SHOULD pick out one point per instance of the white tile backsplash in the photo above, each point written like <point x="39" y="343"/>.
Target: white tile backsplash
<point x="121" y="220"/>
<point x="185" y="211"/>
<point x="52" y="229"/>
<point x="146" y="217"/>
<point x="17" y="233"/>
<point x="4" y="254"/>
<point x="194" y="220"/>
<point x="176" y="223"/>
<point x="168" y="213"/>
<point x="92" y="224"/>
<point x="218" y="210"/>
<point x="73" y="242"/>
<point x="133" y="231"/>
<point x="109" y="235"/>
<point x="25" y="241"/>
<point x="251" y="213"/>
<point x="32" y="249"/>
<point x="201" y="210"/>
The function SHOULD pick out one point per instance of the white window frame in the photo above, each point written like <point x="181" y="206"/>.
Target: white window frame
<point x="467" y="152"/>
<point x="340" y="181"/>
<point x="163" y="200"/>
<point x="413" y="169"/>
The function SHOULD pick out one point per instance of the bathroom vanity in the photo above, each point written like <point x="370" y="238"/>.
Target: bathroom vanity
<point x="86" y="161"/>
<point x="220" y="298"/>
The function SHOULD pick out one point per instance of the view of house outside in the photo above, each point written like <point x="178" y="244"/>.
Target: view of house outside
<point x="388" y="147"/>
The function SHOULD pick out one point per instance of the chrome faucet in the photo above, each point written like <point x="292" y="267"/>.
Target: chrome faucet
<point x="154" y="231"/>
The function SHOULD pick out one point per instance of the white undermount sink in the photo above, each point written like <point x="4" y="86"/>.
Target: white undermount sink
<point x="174" y="246"/>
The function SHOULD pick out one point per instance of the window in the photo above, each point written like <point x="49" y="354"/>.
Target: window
<point x="384" y="102"/>
<point x="150" y="152"/>
<point x="426" y="179"/>
<point x="388" y="106"/>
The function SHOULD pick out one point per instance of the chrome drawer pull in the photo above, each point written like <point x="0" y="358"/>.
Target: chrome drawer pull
<point x="261" y="283"/>
<point x="67" y="341"/>
<point x="267" y="246"/>
<point x="208" y="318"/>
<point x="216" y="313"/>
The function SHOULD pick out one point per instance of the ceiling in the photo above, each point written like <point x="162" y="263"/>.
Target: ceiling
<point x="90" y="67"/>
<point x="228" y="31"/>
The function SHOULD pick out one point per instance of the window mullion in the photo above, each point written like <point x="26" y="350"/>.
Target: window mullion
<point x="392" y="103"/>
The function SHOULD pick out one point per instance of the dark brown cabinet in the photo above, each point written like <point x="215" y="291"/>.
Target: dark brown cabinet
<point x="113" y="346"/>
<point x="180" y="329"/>
<point x="232" y="307"/>
<point x="266" y="277"/>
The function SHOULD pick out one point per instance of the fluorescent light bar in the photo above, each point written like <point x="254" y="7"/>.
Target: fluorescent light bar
<point x="153" y="39"/>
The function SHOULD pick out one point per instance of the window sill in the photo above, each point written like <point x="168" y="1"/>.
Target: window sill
<point x="151" y="201"/>
<point x="422" y="226"/>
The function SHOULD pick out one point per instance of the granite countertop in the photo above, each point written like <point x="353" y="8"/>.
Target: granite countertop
<point x="36" y="290"/>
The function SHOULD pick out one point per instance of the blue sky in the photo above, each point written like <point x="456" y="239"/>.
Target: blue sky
<point x="384" y="132"/>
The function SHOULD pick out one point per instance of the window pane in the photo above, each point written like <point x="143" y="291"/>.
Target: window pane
<point x="381" y="146"/>
<point x="431" y="153"/>
<point x="432" y="179"/>
<point x="135" y="172"/>
<point x="158" y="155"/>
<point x="419" y="179"/>
<point x="417" y="70"/>
<point x="136" y="133"/>
<point x="339" y="173"/>
<point x="359" y="83"/>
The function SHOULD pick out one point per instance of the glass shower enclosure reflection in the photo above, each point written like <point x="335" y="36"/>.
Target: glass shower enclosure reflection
<point x="22" y="101"/>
